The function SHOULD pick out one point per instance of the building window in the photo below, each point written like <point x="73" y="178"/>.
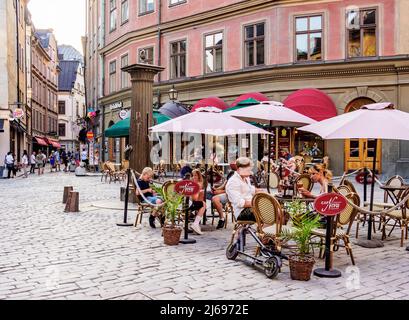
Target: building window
<point x="148" y="55"/>
<point x="124" y="75"/>
<point x="254" y="45"/>
<point x="146" y="6"/>
<point x="61" y="107"/>
<point x="112" y="76"/>
<point x="124" y="11"/>
<point x="361" y="29"/>
<point x="178" y="59"/>
<point x="176" y="2"/>
<point x="214" y="52"/>
<point x="308" y="38"/>
<point x="61" y="129"/>
<point x="112" y="15"/>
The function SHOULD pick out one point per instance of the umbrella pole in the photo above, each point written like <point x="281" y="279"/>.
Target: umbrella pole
<point x="371" y="243"/>
<point x="372" y="191"/>
<point x="269" y="159"/>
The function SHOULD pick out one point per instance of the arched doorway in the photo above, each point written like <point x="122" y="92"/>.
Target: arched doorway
<point x="359" y="152"/>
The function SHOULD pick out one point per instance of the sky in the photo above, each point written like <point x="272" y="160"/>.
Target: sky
<point x="65" y="17"/>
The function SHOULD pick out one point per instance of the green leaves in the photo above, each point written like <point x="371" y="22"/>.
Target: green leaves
<point x="172" y="202"/>
<point x="304" y="222"/>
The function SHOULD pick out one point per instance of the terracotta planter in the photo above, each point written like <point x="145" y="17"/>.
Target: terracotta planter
<point x="301" y="266"/>
<point x="171" y="235"/>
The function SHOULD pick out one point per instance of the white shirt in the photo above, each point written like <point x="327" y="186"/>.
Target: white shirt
<point x="84" y="155"/>
<point x="239" y="191"/>
<point x="24" y="159"/>
<point x="9" y="159"/>
<point x="33" y="159"/>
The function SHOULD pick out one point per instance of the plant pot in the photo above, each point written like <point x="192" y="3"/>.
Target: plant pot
<point x="171" y="235"/>
<point x="301" y="266"/>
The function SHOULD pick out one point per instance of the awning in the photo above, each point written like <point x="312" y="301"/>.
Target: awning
<point x="41" y="141"/>
<point x="257" y="96"/>
<point x="54" y="143"/>
<point x="312" y="103"/>
<point x="121" y="128"/>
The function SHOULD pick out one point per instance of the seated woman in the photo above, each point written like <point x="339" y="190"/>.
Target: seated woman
<point x="319" y="174"/>
<point x="198" y="203"/>
<point x="219" y="199"/>
<point x="240" y="191"/>
<point x="144" y="185"/>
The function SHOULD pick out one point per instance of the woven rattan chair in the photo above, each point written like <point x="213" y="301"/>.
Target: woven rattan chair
<point x="400" y="217"/>
<point x="142" y="207"/>
<point x="344" y="220"/>
<point x="349" y="184"/>
<point x="269" y="218"/>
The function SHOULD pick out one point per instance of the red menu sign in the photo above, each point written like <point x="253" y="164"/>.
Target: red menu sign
<point x="187" y="188"/>
<point x="361" y="176"/>
<point x="330" y="204"/>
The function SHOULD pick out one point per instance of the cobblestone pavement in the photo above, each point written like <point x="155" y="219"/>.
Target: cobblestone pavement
<point x="48" y="254"/>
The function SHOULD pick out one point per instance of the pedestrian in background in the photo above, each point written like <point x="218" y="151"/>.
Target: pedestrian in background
<point x="9" y="161"/>
<point x="33" y="162"/>
<point x="64" y="160"/>
<point x="24" y="163"/>
<point x="52" y="162"/>
<point x="57" y="159"/>
<point x="39" y="162"/>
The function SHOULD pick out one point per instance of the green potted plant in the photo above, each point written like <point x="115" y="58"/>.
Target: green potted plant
<point x="303" y="222"/>
<point x="171" y="232"/>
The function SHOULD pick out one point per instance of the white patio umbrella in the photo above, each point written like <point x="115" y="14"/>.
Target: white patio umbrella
<point x="274" y="114"/>
<point x="372" y="121"/>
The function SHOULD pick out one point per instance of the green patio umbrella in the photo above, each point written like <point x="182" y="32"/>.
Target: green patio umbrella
<point x="242" y="104"/>
<point x="121" y="128"/>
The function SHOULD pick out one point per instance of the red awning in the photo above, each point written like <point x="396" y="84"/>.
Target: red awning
<point x="254" y="95"/>
<point x="41" y="141"/>
<point x="210" y="102"/>
<point x="312" y="103"/>
<point x="54" y="143"/>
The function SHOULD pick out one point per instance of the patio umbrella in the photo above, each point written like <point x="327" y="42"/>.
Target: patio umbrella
<point x="372" y="121"/>
<point x="274" y="114"/>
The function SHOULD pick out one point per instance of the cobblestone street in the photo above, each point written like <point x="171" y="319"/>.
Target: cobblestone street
<point x="48" y="254"/>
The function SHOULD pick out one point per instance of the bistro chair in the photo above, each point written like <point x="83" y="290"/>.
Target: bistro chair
<point x="344" y="220"/>
<point x="400" y="217"/>
<point x="269" y="217"/>
<point x="306" y="181"/>
<point x="143" y="207"/>
<point x="349" y="184"/>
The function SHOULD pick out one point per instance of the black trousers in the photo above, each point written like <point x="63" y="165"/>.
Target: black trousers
<point x="9" y="169"/>
<point x="33" y="168"/>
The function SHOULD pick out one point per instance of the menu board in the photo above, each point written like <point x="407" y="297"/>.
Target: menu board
<point x="284" y="139"/>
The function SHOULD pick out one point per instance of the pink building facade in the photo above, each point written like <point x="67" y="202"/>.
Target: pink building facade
<point x="350" y="50"/>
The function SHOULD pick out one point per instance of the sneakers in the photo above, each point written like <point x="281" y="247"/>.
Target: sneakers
<point x="220" y="224"/>
<point x="152" y="221"/>
<point x="196" y="228"/>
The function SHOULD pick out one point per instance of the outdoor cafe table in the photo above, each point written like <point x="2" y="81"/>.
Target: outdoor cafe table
<point x="284" y="199"/>
<point x="394" y="196"/>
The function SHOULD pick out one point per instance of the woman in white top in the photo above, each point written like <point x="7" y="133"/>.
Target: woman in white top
<point x="33" y="162"/>
<point x="24" y="163"/>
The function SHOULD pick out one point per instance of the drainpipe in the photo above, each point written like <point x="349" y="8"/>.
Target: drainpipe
<point x="159" y="45"/>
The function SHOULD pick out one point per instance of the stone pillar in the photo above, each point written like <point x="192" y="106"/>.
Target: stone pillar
<point x="141" y="113"/>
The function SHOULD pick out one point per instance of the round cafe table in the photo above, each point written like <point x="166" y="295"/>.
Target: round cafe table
<point x="393" y="195"/>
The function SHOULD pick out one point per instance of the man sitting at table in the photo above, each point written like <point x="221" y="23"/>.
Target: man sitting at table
<point x="240" y="191"/>
<point x="144" y="185"/>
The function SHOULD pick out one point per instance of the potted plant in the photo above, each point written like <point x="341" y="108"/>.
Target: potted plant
<point x="301" y="262"/>
<point x="171" y="232"/>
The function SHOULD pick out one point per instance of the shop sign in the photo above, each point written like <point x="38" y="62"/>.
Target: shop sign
<point x="187" y="188"/>
<point x="330" y="204"/>
<point x="123" y="114"/>
<point x="18" y="113"/>
<point x="116" y="105"/>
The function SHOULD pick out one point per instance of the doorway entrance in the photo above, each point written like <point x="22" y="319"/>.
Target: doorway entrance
<point x="359" y="152"/>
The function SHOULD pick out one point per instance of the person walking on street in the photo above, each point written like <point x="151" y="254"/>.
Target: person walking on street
<point x="39" y="162"/>
<point x="57" y="160"/>
<point x="9" y="164"/>
<point x="64" y="160"/>
<point x="24" y="163"/>
<point x="96" y="161"/>
<point x="84" y="157"/>
<point x="77" y="157"/>
<point x="52" y="162"/>
<point x="33" y="162"/>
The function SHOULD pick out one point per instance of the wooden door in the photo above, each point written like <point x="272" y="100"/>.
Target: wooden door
<point x="359" y="152"/>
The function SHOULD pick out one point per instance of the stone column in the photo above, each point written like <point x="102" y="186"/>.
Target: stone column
<point x="141" y="113"/>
